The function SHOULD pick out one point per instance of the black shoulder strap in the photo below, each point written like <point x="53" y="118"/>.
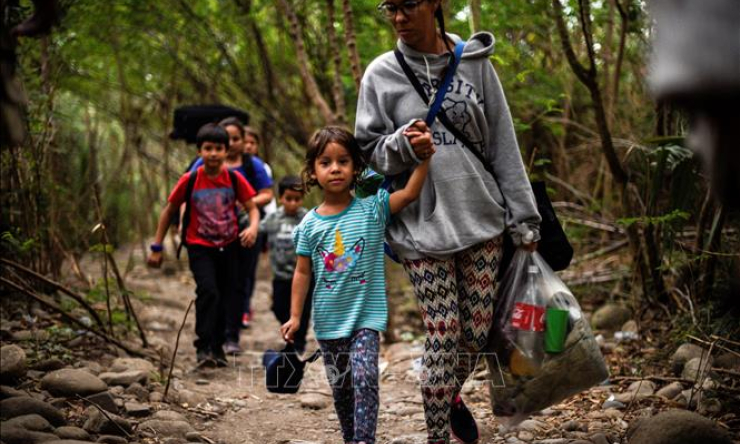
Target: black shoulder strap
<point x="232" y="176"/>
<point x="442" y="116"/>
<point x="248" y="167"/>
<point x="186" y="215"/>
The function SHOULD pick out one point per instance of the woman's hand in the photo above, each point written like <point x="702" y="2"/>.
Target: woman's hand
<point x="420" y="138"/>
<point x="289" y="329"/>
<point x="531" y="247"/>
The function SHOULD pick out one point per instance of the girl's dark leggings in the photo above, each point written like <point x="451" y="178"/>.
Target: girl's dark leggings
<point x="352" y="369"/>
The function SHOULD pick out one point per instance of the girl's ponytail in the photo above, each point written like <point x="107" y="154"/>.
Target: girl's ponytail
<point x="439" y="14"/>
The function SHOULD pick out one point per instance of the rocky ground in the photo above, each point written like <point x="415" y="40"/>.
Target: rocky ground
<point x="63" y="386"/>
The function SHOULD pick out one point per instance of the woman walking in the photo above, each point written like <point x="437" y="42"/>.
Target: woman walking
<point x="450" y="239"/>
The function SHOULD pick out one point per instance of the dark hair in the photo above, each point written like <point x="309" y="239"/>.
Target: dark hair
<point x="247" y="164"/>
<point x="210" y="132"/>
<point x="248" y="130"/>
<point x="232" y="121"/>
<point x="316" y="146"/>
<point x="439" y="14"/>
<point x="290" y="183"/>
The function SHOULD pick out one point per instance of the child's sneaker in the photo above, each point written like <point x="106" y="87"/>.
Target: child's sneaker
<point x="232" y="348"/>
<point x="462" y="423"/>
<point x="204" y="359"/>
<point x="219" y="357"/>
<point x="247" y="320"/>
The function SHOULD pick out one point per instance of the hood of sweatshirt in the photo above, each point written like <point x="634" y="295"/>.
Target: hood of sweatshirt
<point x="479" y="45"/>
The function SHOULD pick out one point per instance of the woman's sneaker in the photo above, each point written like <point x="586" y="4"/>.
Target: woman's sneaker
<point x="462" y="423"/>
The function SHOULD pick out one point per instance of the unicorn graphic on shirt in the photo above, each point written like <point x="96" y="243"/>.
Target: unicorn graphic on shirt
<point x="341" y="259"/>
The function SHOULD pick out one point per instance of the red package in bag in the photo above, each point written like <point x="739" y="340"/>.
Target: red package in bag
<point x="524" y="377"/>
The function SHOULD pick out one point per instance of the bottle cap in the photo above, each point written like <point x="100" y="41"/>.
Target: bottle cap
<point x="528" y="237"/>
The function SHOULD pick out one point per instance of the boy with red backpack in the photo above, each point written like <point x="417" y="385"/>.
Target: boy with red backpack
<point x="210" y="232"/>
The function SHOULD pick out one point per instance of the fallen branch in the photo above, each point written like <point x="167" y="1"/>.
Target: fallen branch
<point x="652" y="378"/>
<point x="580" y="195"/>
<point x="206" y="413"/>
<point x="593" y="224"/>
<point x="79" y="299"/>
<point x="177" y="345"/>
<point x="702" y="341"/>
<point x="601" y="252"/>
<point x="721" y="387"/>
<point x="51" y="305"/>
<point x="94" y="404"/>
<point x="726" y="372"/>
<point x="720" y="338"/>
<point x="589" y="278"/>
<point x="698" y="386"/>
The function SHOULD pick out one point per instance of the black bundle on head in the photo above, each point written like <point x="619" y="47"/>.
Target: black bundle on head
<point x="439" y="14"/>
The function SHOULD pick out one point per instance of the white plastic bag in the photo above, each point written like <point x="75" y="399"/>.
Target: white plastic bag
<point x="525" y="378"/>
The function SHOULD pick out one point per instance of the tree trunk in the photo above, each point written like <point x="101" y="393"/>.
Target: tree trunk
<point x="337" y="88"/>
<point x="709" y="265"/>
<point x="475" y="15"/>
<point x="349" y="36"/>
<point x="620" y="53"/>
<point x="588" y="76"/>
<point x="312" y="88"/>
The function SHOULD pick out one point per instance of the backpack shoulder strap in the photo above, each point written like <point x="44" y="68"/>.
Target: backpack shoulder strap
<point x="186" y="215"/>
<point x="449" y="73"/>
<point x="248" y="167"/>
<point x="234" y="180"/>
<point x="446" y="81"/>
<point x="439" y="112"/>
<point x="411" y="76"/>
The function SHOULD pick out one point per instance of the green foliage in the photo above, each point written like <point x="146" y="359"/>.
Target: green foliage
<point x="100" y="248"/>
<point x="664" y="219"/>
<point x="115" y="71"/>
<point x="14" y="244"/>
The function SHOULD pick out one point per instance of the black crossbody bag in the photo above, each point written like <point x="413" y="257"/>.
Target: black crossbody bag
<point x="553" y="245"/>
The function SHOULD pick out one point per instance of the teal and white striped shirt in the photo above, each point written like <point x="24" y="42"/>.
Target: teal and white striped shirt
<point x="346" y="252"/>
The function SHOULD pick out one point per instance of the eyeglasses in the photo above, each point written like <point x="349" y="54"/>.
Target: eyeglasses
<point x="408" y="8"/>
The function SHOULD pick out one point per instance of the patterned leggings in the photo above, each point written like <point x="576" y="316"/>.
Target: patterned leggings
<point x="456" y="299"/>
<point x="352" y="369"/>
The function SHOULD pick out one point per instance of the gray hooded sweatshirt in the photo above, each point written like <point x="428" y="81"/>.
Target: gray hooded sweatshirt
<point x="461" y="204"/>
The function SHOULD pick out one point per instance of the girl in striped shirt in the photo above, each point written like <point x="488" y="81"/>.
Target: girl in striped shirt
<point x="340" y="242"/>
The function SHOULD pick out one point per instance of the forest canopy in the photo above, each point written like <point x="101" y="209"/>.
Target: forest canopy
<point x="103" y="86"/>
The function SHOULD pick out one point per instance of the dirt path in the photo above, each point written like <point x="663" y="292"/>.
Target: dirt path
<point x="237" y="409"/>
<point x="232" y="406"/>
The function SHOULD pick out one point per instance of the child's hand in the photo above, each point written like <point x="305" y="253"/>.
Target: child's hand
<point x="155" y="259"/>
<point x="289" y="328"/>
<point x="248" y="237"/>
<point x="420" y="138"/>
